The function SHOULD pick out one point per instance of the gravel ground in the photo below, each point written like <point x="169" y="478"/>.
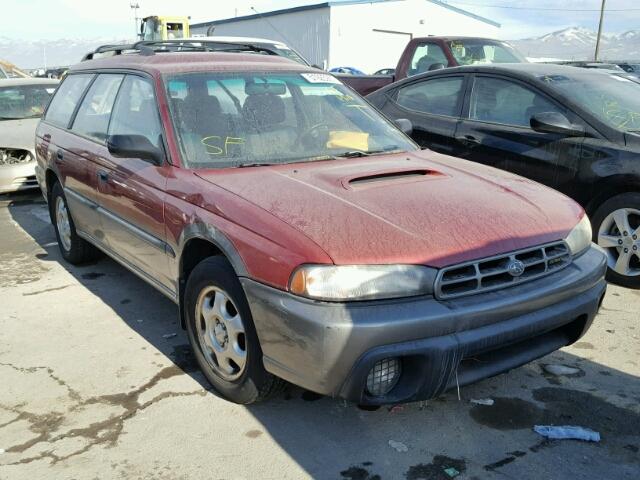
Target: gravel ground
<point x="97" y="381"/>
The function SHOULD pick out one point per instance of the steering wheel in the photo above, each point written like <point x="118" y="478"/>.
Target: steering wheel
<point x="315" y="136"/>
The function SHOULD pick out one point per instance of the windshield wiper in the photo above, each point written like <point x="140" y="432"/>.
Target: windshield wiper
<point x="256" y="164"/>
<point x="19" y="118"/>
<point x="353" y="154"/>
<point x="362" y="153"/>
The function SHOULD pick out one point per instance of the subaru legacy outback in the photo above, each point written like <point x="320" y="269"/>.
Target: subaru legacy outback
<point x="305" y="238"/>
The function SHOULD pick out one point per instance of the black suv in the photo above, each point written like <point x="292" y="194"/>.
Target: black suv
<point x="573" y="129"/>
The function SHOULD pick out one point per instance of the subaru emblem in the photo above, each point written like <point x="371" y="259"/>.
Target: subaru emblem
<point x="515" y="268"/>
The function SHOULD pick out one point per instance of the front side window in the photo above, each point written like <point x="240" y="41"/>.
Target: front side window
<point x="66" y="99"/>
<point x="473" y="52"/>
<point x="426" y="58"/>
<point x="135" y="111"/>
<point x="438" y="96"/>
<point x="229" y="120"/>
<point x="94" y="113"/>
<point x="24" y="101"/>
<point x="502" y="101"/>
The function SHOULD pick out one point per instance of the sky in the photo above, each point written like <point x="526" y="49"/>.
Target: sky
<point x="55" y="19"/>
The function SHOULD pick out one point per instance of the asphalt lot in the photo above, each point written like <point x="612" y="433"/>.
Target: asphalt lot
<point x="94" y="384"/>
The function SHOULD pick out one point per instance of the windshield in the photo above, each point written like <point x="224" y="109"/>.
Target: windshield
<point x="613" y="99"/>
<point x="24" y="101"/>
<point x="472" y="52"/>
<point x="232" y="120"/>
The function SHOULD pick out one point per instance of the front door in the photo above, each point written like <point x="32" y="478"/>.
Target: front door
<point x="132" y="190"/>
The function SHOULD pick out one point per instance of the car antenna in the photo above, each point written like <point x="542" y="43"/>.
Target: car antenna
<point x="279" y="32"/>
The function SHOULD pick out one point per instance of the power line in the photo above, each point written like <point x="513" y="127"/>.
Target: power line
<point x="547" y="9"/>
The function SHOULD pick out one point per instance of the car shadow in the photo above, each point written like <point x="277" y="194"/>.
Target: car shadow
<point x="438" y="439"/>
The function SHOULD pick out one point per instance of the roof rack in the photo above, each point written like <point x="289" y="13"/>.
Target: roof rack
<point x="151" y="47"/>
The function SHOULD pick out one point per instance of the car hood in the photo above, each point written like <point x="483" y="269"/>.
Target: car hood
<point x="419" y="207"/>
<point x="18" y="133"/>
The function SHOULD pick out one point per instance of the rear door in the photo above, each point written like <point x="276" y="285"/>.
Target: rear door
<point x="89" y="126"/>
<point x="433" y="105"/>
<point x="496" y="131"/>
<point x="65" y="153"/>
<point x="132" y="190"/>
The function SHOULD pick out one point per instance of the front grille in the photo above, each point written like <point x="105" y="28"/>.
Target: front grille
<point x="493" y="273"/>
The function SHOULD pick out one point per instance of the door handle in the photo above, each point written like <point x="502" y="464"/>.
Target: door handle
<point x="60" y="155"/>
<point x="103" y="176"/>
<point x="469" y="141"/>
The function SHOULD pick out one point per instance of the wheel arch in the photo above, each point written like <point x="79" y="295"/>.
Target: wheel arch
<point x="201" y="242"/>
<point x="611" y="187"/>
<point x="50" y="178"/>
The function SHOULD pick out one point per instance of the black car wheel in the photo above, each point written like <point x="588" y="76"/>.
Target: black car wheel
<point x="223" y="336"/>
<point x="616" y="227"/>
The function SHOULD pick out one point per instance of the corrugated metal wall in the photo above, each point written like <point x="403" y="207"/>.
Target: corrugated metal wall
<point x="306" y="31"/>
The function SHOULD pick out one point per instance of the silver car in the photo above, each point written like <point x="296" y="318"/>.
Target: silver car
<point x="22" y="102"/>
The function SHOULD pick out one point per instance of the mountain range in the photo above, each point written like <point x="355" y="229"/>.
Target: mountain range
<point x="37" y="53"/>
<point x="574" y="43"/>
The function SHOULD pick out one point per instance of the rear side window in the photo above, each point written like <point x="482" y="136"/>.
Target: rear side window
<point x="135" y="111"/>
<point x="438" y="96"/>
<point x="93" y="116"/>
<point x="66" y="99"/>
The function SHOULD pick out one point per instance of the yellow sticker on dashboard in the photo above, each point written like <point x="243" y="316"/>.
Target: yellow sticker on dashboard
<point x="349" y="140"/>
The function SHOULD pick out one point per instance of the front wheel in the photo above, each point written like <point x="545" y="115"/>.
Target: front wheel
<point x="616" y="226"/>
<point x="223" y="336"/>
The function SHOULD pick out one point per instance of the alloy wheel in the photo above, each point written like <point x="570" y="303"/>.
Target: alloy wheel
<point x="619" y="235"/>
<point x="63" y="223"/>
<point x="221" y="333"/>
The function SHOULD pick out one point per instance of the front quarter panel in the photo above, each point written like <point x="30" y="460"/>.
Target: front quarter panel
<point x="258" y="245"/>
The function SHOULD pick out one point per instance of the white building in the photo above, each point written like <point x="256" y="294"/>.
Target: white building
<point x="368" y="35"/>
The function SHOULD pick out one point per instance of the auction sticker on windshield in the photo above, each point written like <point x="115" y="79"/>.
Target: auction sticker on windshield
<point x="320" y="78"/>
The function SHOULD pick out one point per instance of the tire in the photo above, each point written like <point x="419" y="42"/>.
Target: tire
<point x="614" y="218"/>
<point x="223" y="336"/>
<point x="74" y="249"/>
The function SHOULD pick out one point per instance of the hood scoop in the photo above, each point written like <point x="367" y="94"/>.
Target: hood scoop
<point x="392" y="176"/>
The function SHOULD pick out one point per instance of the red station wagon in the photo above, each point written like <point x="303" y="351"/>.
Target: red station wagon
<point x="303" y="236"/>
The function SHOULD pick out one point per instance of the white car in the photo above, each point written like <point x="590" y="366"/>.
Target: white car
<point x="274" y="46"/>
<point x="22" y="103"/>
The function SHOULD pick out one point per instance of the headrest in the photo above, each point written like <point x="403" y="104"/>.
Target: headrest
<point x="263" y="110"/>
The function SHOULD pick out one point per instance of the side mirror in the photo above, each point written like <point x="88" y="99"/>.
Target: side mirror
<point x="404" y="125"/>
<point x="135" y="146"/>
<point x="555" y="122"/>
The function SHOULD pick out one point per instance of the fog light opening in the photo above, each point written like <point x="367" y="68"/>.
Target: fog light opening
<point x="383" y="376"/>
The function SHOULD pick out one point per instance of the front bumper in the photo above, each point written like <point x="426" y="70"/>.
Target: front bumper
<point x="330" y="347"/>
<point x="20" y="176"/>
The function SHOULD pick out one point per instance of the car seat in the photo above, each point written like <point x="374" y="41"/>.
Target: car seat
<point x="264" y="115"/>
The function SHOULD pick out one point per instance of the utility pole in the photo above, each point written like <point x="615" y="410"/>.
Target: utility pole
<point x="599" y="31"/>
<point x="135" y="6"/>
